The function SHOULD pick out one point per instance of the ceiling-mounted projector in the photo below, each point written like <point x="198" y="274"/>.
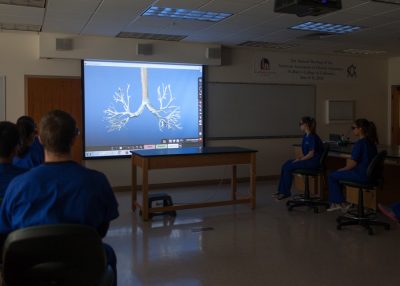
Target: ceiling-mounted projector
<point x="307" y="7"/>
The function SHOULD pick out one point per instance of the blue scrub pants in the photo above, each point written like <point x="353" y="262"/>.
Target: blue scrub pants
<point x="335" y="189"/>
<point x="396" y="210"/>
<point x="285" y="182"/>
<point x="111" y="260"/>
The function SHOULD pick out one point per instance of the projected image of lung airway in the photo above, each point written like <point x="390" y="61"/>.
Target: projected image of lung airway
<point x="130" y="106"/>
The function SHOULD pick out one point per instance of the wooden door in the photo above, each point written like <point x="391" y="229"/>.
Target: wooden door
<point x="44" y="94"/>
<point x="395" y="115"/>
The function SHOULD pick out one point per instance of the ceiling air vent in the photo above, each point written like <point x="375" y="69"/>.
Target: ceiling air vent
<point x="149" y="36"/>
<point x="20" y="27"/>
<point x="26" y="3"/>
<point x="316" y="36"/>
<point x="267" y="45"/>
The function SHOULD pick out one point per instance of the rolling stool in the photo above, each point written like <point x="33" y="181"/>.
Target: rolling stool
<point x="375" y="180"/>
<point x="167" y="201"/>
<point x="306" y="199"/>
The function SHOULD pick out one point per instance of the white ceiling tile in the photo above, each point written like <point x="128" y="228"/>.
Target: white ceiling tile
<point x="68" y="16"/>
<point x="340" y="18"/>
<point x="252" y="20"/>
<point x="149" y="22"/>
<point x="371" y="8"/>
<point x="113" y="16"/>
<point x="21" y="14"/>
<point x="228" y="6"/>
<point x="187" y="4"/>
<point x="347" y="4"/>
<point x="394" y="13"/>
<point x="374" y="21"/>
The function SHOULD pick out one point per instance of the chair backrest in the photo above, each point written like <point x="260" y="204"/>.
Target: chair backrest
<point x="324" y="155"/>
<point x="64" y="254"/>
<point x="375" y="168"/>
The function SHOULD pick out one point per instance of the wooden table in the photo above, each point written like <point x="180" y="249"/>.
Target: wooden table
<point x="192" y="157"/>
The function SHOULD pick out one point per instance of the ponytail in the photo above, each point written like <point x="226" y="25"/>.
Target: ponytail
<point x="372" y="133"/>
<point x="26" y="129"/>
<point x="369" y="130"/>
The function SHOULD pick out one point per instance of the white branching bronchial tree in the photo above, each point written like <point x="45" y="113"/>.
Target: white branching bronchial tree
<point x="168" y="114"/>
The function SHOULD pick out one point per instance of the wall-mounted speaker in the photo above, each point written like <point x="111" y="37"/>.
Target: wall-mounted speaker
<point x="213" y="53"/>
<point x="66" y="44"/>
<point x="144" y="49"/>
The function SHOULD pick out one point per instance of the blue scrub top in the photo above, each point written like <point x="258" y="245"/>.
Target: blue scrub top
<point x="312" y="142"/>
<point x="7" y="173"/>
<point x="53" y="193"/>
<point x="33" y="157"/>
<point x="363" y="152"/>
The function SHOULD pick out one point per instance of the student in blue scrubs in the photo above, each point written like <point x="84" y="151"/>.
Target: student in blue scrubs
<point x="30" y="152"/>
<point x="9" y="139"/>
<point x="364" y="150"/>
<point x="60" y="190"/>
<point x="312" y="149"/>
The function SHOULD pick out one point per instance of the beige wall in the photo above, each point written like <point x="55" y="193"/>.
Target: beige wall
<point x="20" y="55"/>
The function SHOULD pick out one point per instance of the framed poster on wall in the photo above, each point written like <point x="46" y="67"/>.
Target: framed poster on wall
<point x="340" y="111"/>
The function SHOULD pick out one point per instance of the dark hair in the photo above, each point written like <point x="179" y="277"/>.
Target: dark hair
<point x="369" y="130"/>
<point x="310" y="122"/>
<point x="26" y="129"/>
<point x="57" y="130"/>
<point x="9" y="138"/>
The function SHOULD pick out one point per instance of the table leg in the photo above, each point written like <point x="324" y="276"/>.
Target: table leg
<point x="253" y="177"/>
<point x="134" y="186"/>
<point x="234" y="182"/>
<point x="145" y="190"/>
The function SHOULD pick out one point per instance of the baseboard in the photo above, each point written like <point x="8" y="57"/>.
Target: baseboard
<point x="194" y="183"/>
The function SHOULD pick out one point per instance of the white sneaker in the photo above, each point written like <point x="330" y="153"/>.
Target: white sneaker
<point x="346" y="208"/>
<point x="334" y="207"/>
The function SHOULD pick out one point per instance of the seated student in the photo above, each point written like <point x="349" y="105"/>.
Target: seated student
<point x="312" y="148"/>
<point x="60" y="190"/>
<point x="30" y="152"/>
<point x="9" y="139"/>
<point x="392" y="212"/>
<point x="364" y="150"/>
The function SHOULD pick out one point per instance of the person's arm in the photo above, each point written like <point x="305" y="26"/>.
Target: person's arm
<point x="103" y="228"/>
<point x="110" y="205"/>
<point x="356" y="155"/>
<point x="308" y="156"/>
<point x="311" y="152"/>
<point x="350" y="164"/>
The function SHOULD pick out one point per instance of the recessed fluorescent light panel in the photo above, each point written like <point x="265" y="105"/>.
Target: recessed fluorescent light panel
<point x="326" y="27"/>
<point x="177" y="13"/>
